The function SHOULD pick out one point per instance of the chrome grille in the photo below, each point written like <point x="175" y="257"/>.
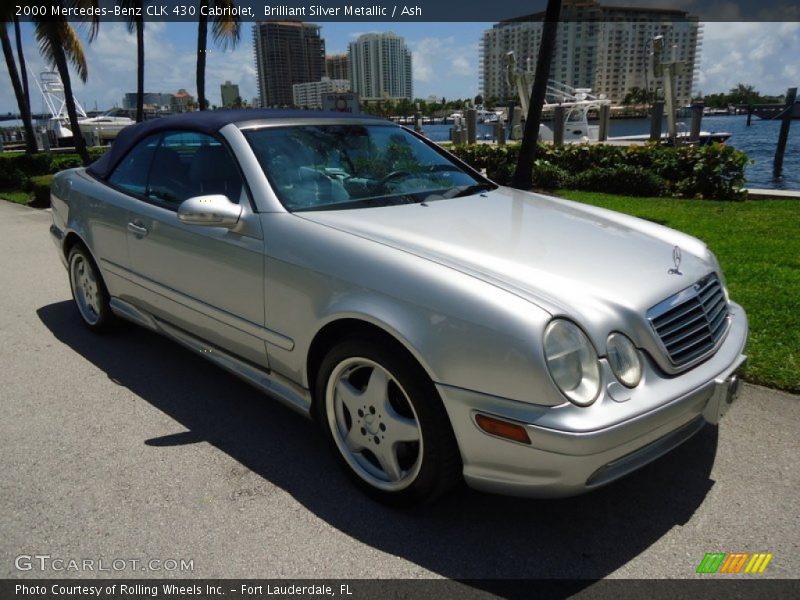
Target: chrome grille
<point x="691" y="323"/>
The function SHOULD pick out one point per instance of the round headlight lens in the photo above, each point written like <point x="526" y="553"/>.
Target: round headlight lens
<point x="572" y="361"/>
<point x="624" y="359"/>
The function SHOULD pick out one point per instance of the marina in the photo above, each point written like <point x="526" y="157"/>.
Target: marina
<point x="757" y="141"/>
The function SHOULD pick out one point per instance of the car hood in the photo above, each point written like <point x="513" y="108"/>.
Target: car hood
<point x="568" y="258"/>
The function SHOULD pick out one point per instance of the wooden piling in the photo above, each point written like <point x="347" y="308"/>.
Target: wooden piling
<point x="697" y="119"/>
<point x="558" y="126"/>
<point x="791" y="98"/>
<point x="656" y="117"/>
<point x="472" y="125"/>
<point x="605" y="119"/>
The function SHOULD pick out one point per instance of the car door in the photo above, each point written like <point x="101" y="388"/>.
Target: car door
<point x="111" y="211"/>
<point x="205" y="280"/>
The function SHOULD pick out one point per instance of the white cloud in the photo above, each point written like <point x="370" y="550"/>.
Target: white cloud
<point x="443" y="62"/>
<point x="461" y="65"/>
<point x="760" y="54"/>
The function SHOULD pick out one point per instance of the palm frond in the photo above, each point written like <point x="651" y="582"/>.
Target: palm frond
<point x="50" y="35"/>
<point x="129" y="5"/>
<point x="92" y="23"/>
<point x="226" y="29"/>
<point x="44" y="40"/>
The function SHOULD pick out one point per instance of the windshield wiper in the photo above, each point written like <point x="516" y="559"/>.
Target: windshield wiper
<point x="469" y="190"/>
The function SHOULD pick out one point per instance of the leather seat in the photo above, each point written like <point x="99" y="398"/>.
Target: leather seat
<point x="213" y="172"/>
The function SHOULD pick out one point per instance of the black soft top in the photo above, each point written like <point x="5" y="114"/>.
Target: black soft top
<point x="207" y="121"/>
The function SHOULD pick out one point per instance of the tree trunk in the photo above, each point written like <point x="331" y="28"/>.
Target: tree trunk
<point x="22" y="67"/>
<point x="202" y="41"/>
<point x="527" y="152"/>
<point x="24" y="110"/>
<point x="63" y="72"/>
<point x="139" y="69"/>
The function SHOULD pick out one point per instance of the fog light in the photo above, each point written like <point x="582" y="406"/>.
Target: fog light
<point x="503" y="429"/>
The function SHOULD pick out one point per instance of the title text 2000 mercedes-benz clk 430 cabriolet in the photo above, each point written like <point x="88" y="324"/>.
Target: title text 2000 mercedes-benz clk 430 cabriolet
<point x="439" y="327"/>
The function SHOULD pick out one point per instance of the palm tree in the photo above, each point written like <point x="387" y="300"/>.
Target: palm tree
<point x="136" y="23"/>
<point x="523" y="174"/>
<point x="22" y="66"/>
<point x="743" y="94"/>
<point x="20" y="86"/>
<point x="225" y="31"/>
<point x="58" y="43"/>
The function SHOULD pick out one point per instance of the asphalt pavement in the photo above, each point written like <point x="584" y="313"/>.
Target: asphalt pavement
<point x="129" y="447"/>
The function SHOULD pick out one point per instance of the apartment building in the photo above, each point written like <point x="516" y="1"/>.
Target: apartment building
<point x="606" y="48"/>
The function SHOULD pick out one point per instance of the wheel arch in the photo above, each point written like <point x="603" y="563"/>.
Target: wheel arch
<point x="70" y="241"/>
<point x="349" y="326"/>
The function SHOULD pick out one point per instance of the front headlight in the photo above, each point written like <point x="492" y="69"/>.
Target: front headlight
<point x="572" y="361"/>
<point x="624" y="359"/>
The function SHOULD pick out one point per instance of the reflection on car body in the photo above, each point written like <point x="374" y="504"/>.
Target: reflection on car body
<point x="439" y="327"/>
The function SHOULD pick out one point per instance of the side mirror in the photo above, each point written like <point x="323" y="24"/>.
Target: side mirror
<point x="214" y="210"/>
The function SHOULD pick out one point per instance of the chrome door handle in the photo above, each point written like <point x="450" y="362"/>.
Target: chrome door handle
<point x="137" y="230"/>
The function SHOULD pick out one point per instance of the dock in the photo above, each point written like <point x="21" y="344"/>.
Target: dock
<point x="765" y="194"/>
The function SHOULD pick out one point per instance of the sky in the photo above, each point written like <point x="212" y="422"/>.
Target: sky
<point x="445" y="59"/>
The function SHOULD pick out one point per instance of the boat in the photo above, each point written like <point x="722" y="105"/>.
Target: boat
<point x="577" y="103"/>
<point x="705" y="137"/>
<point x="486" y="116"/>
<point x="105" y="126"/>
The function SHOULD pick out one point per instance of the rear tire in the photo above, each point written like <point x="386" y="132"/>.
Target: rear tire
<point x="89" y="291"/>
<point x="387" y="425"/>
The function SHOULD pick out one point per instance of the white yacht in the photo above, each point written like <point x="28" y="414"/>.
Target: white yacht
<point x="105" y="126"/>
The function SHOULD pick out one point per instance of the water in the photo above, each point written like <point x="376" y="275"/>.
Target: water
<point x="758" y="141"/>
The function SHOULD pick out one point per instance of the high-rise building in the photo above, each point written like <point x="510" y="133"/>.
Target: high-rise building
<point x="229" y="92"/>
<point x="337" y="66"/>
<point x="286" y="52"/>
<point x="606" y="48"/>
<point x="309" y="95"/>
<point x="152" y="100"/>
<point x="380" y="67"/>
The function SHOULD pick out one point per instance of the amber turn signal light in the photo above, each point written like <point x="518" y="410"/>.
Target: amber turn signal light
<point x="504" y="429"/>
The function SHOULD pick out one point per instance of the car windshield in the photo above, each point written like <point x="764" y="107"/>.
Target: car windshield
<point x="333" y="167"/>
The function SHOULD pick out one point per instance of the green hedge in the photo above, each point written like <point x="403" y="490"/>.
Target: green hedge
<point x="39" y="185"/>
<point x="17" y="169"/>
<point x="710" y="171"/>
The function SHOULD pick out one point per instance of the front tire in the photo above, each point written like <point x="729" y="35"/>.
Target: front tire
<point x="386" y="422"/>
<point x="89" y="291"/>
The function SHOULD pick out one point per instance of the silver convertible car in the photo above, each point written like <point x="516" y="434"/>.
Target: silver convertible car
<point x="439" y="327"/>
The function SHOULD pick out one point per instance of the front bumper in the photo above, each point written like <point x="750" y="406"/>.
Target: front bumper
<point x="574" y="450"/>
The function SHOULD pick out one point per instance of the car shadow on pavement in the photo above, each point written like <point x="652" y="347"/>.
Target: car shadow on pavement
<point x="465" y="535"/>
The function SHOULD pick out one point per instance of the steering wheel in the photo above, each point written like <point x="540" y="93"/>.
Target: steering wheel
<point x="170" y="189"/>
<point x="393" y="175"/>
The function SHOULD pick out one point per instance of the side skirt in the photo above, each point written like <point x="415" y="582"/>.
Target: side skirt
<point x="288" y="392"/>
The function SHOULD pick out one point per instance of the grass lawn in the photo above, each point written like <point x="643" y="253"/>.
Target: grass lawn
<point x="757" y="243"/>
<point x="15" y="196"/>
